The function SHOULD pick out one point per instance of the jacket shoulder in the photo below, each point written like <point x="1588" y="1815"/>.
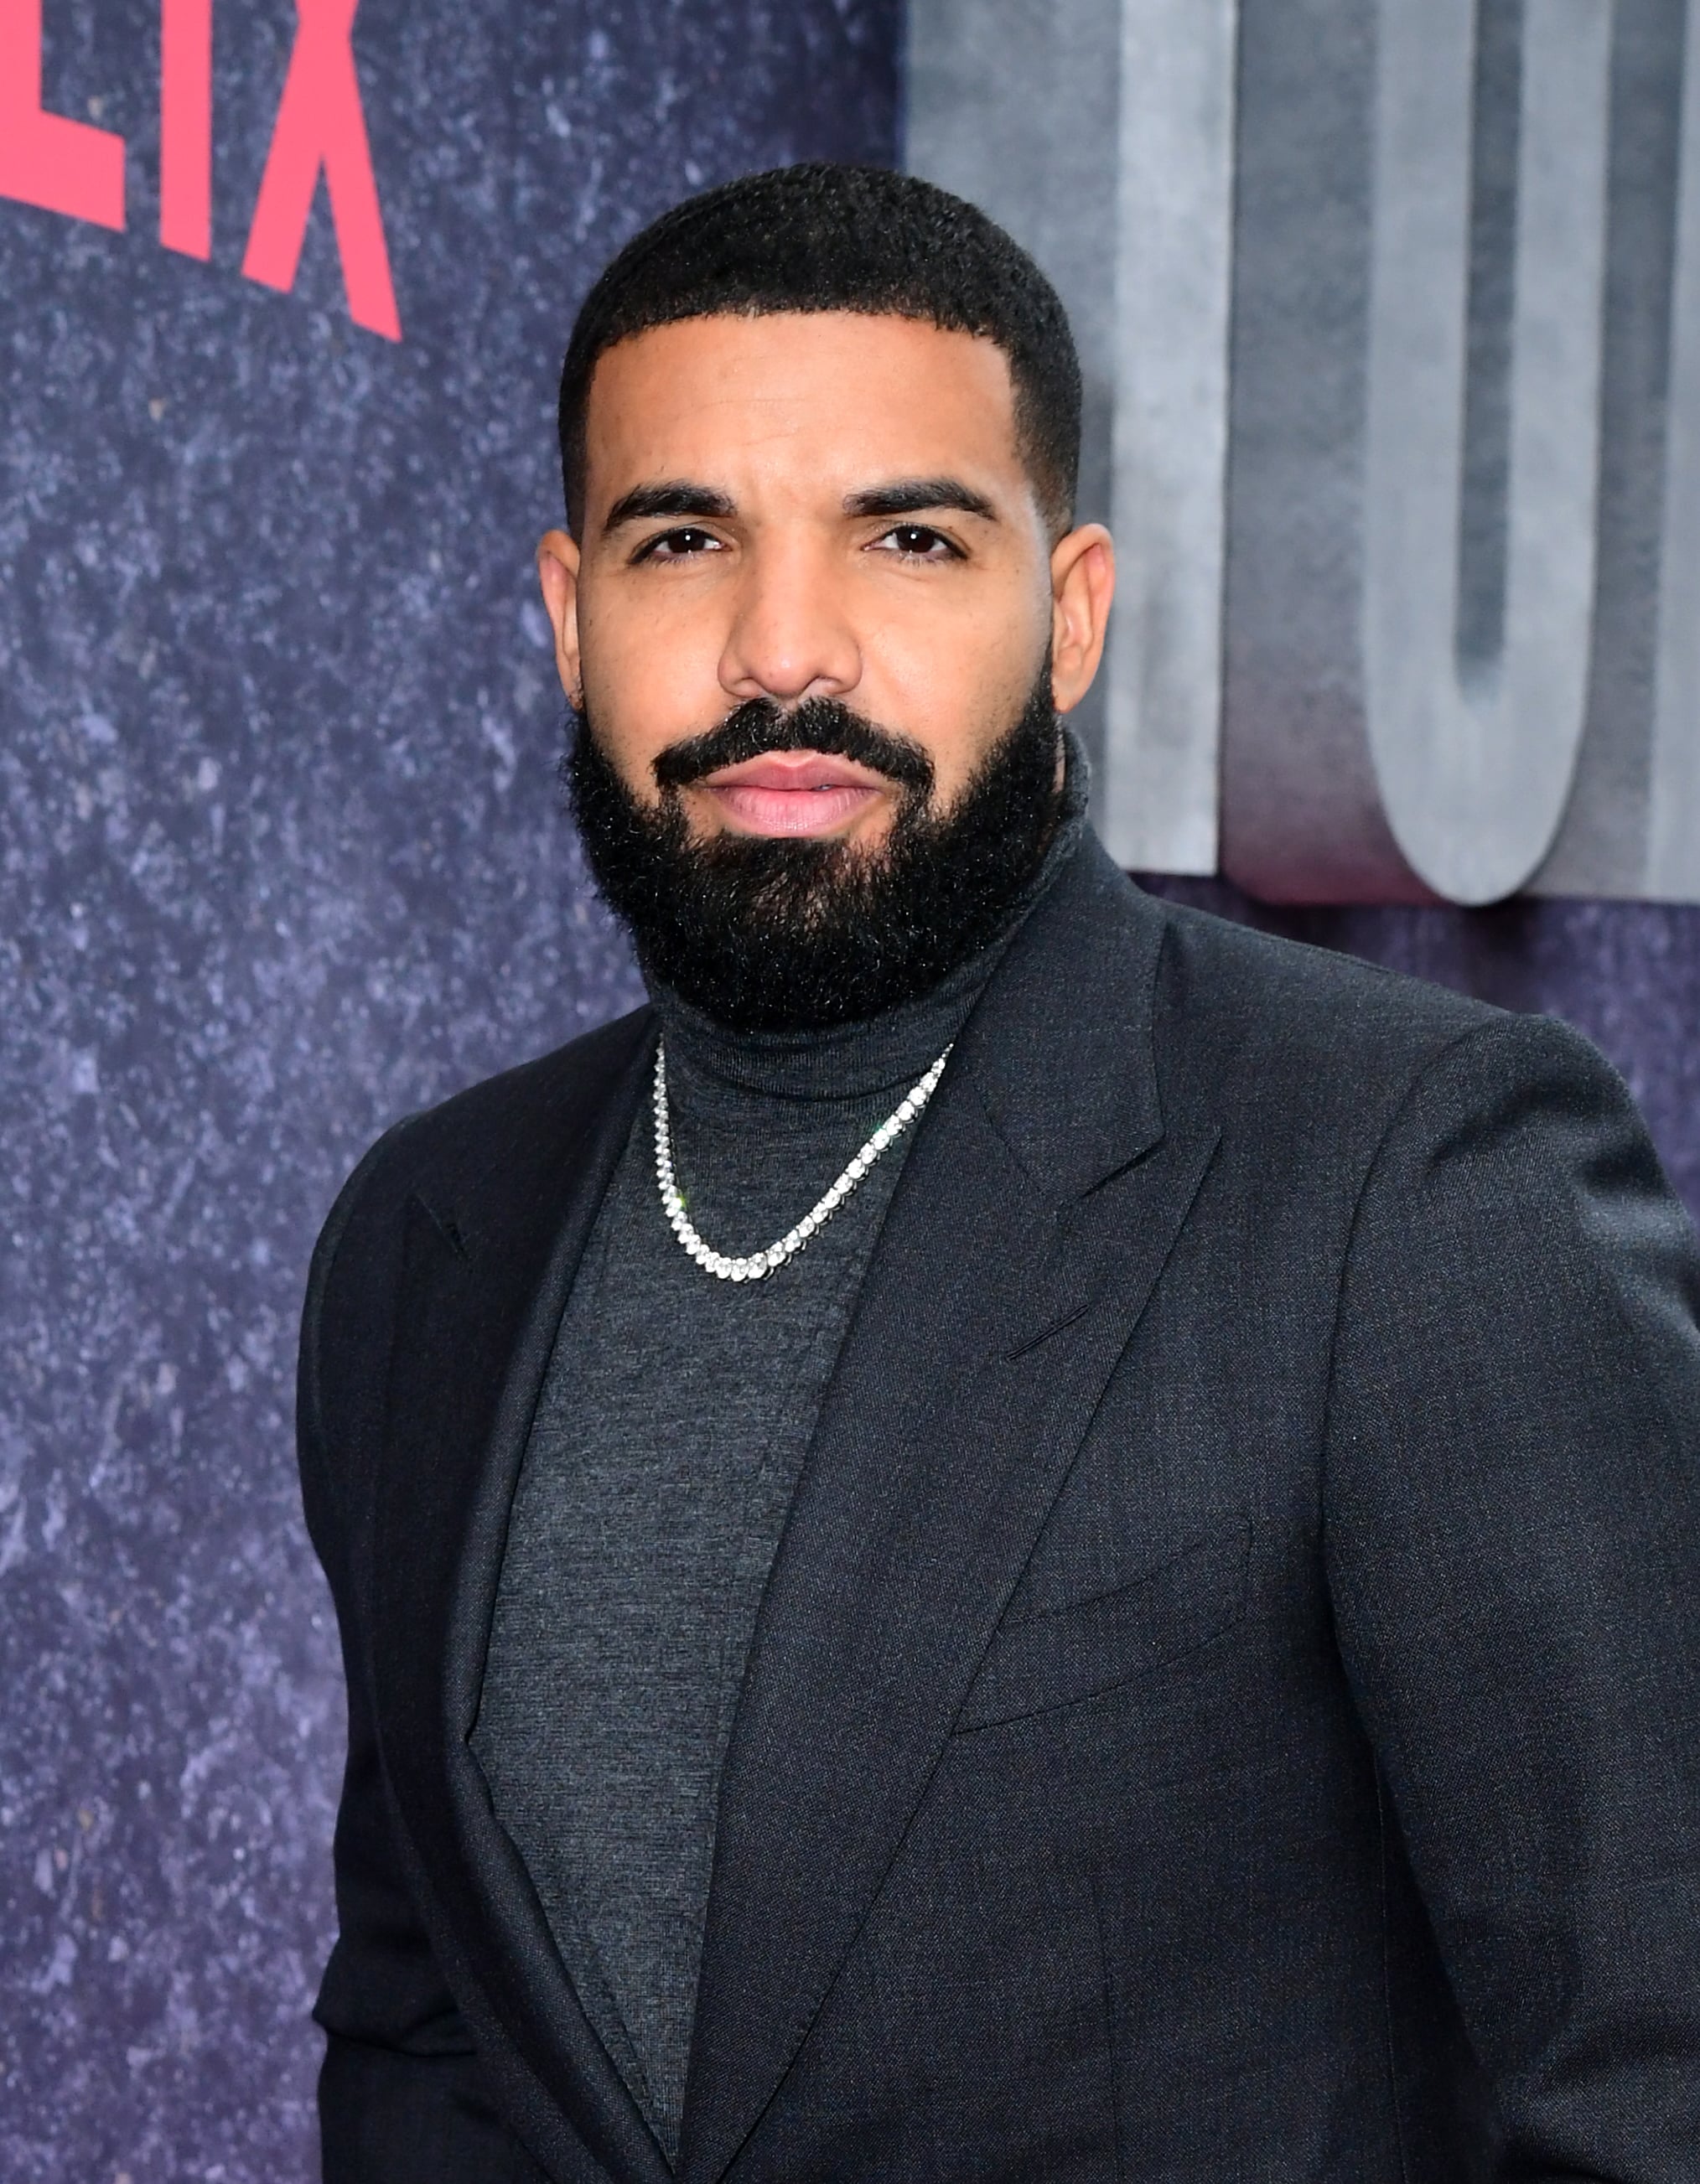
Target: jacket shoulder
<point x="1326" y="1070"/>
<point x="436" y="1153"/>
<point x="1261" y="1011"/>
<point x="438" y="1147"/>
<point x="1324" y="1051"/>
<point x="518" y="1124"/>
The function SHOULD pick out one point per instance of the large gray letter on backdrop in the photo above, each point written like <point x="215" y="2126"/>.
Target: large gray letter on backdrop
<point x="1473" y="758"/>
<point x="1441" y="642"/>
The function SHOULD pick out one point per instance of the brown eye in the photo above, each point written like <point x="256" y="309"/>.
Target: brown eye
<point x="917" y="542"/>
<point x="679" y="545"/>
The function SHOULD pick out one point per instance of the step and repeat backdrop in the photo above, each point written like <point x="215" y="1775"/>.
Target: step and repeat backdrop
<point x="283" y="294"/>
<point x="1392" y="344"/>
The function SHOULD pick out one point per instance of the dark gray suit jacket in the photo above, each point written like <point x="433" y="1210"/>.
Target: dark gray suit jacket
<point x="1228" y="1703"/>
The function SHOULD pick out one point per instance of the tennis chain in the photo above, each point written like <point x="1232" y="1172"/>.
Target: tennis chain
<point x="759" y="1263"/>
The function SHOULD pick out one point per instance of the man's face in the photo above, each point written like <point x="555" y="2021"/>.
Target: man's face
<point x="813" y="506"/>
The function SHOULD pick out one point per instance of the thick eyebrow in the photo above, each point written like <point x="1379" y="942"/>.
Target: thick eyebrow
<point x="675" y="497"/>
<point x="914" y="496"/>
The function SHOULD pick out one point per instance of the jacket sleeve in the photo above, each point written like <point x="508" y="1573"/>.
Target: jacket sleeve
<point x="401" y="2099"/>
<point x="1513" y="1540"/>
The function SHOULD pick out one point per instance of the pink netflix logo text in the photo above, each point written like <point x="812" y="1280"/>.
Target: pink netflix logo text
<point x="69" y="167"/>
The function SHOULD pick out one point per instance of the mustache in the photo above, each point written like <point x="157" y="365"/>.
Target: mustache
<point x="762" y="725"/>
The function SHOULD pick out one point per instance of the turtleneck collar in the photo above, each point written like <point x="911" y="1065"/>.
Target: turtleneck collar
<point x="710" y="1065"/>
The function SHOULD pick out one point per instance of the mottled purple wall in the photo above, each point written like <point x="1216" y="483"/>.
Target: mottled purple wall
<point x="282" y="859"/>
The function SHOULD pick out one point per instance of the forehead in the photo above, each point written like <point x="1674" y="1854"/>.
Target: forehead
<point x="841" y="396"/>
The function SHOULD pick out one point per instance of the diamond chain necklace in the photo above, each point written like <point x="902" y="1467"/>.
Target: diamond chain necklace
<point x="752" y="1269"/>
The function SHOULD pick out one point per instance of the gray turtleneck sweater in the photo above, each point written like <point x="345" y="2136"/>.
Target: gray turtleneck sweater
<point x="667" y="1442"/>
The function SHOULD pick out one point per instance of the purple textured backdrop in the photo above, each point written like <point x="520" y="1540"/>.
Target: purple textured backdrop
<point x="282" y="859"/>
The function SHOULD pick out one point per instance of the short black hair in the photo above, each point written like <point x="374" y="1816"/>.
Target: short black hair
<point x="821" y="237"/>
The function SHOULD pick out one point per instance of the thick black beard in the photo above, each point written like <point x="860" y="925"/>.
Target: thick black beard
<point x="782" y="934"/>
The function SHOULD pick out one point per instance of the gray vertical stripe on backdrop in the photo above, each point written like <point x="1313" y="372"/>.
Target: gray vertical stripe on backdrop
<point x="1474" y="761"/>
<point x="1099" y="134"/>
<point x="1174" y="248"/>
<point x="1672" y="866"/>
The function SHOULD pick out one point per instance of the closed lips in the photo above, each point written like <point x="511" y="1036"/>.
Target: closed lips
<point x="794" y="792"/>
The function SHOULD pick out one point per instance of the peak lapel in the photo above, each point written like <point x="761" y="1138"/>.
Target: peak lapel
<point x="489" y="1258"/>
<point x="1034" y="1214"/>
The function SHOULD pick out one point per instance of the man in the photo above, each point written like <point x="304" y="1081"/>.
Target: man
<point x="1017" y="1534"/>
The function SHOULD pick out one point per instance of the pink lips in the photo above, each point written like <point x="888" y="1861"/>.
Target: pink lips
<point x="792" y="792"/>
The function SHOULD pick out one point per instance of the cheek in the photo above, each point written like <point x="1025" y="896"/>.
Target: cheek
<point x="958" y="699"/>
<point x="645" y="690"/>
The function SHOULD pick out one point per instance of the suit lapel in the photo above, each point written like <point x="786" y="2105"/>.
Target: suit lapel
<point x="1035" y="1212"/>
<point x="489" y="1259"/>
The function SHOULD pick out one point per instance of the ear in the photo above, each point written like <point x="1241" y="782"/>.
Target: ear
<point x="1083" y="583"/>
<point x="558" y="574"/>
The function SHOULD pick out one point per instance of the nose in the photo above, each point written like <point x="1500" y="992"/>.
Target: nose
<point x="791" y="636"/>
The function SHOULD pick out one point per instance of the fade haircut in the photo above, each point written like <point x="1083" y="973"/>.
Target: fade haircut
<point x="824" y="237"/>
